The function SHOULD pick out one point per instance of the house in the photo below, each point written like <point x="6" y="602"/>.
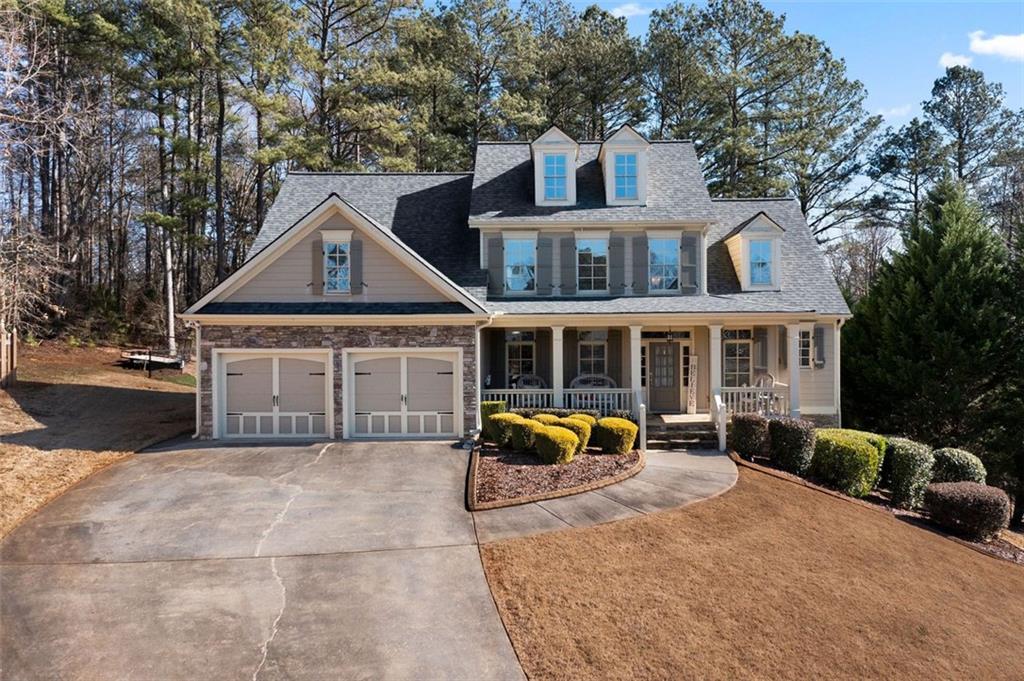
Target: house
<point x="556" y="274"/>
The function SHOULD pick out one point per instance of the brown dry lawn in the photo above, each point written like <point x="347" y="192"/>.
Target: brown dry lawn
<point x="73" y="412"/>
<point x="770" y="581"/>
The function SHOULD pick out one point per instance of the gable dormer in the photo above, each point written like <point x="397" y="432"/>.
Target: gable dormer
<point x="624" y="159"/>
<point x="554" y="168"/>
<point x="755" y="247"/>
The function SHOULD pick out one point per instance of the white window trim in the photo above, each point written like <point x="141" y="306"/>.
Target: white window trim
<point x="749" y="342"/>
<point x="336" y="236"/>
<point x="677" y="236"/>
<point x="615" y="173"/>
<point x="519" y="343"/>
<point x="519" y="236"/>
<point x="604" y="236"/>
<point x="773" y="244"/>
<point x="544" y="176"/>
<point x="810" y="349"/>
<point x="579" y="356"/>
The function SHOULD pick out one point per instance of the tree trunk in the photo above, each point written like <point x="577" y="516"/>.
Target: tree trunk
<point x="218" y="179"/>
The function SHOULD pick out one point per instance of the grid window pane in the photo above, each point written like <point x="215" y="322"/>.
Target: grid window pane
<point x="519" y="361"/>
<point x="336" y="268"/>
<point x="663" y="264"/>
<point x="592" y="265"/>
<point x="593" y="357"/>
<point x="520" y="264"/>
<point x="625" y="176"/>
<point x="736" y="364"/>
<point x="805" y="348"/>
<point x="760" y="263"/>
<point x="555" y="177"/>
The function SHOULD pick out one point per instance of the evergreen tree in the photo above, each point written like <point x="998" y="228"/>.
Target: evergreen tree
<point x="906" y="164"/>
<point x="931" y="349"/>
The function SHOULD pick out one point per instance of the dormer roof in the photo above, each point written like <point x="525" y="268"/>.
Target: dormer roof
<point x="554" y="139"/>
<point x="759" y="222"/>
<point x="625" y="137"/>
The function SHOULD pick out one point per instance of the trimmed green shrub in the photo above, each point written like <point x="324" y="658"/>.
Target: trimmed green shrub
<point x="845" y="462"/>
<point x="579" y="427"/>
<point x="546" y="419"/>
<point x="523" y="433"/>
<point x="791" y="444"/>
<point x="501" y="426"/>
<point x="873" y="439"/>
<point x="587" y="418"/>
<point x="615" y="435"/>
<point x="970" y="509"/>
<point x="556" y="445"/>
<point x="909" y="471"/>
<point x="530" y="412"/>
<point x="957" y="465"/>
<point x="748" y="435"/>
<point x="624" y="414"/>
<point x="487" y="410"/>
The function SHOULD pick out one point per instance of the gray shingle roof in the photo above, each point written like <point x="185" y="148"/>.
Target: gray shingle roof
<point x="427" y="211"/>
<point x="333" y="308"/>
<point x="503" y="186"/>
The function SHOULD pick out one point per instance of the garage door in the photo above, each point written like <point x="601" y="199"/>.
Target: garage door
<point x="403" y="395"/>
<point x="275" y="395"/>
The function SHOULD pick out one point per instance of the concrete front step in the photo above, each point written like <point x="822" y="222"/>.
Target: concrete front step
<point x="682" y="444"/>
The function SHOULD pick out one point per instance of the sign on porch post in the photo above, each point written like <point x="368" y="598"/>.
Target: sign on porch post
<point x="691" y="388"/>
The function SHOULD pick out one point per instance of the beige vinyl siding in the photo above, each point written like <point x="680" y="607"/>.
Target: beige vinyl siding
<point x="817" y="386"/>
<point x="701" y="348"/>
<point x="288" y="278"/>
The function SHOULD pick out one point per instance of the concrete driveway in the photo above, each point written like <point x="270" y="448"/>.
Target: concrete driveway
<point x="340" y="561"/>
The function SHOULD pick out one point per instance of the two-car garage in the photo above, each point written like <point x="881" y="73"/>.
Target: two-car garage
<point x="394" y="393"/>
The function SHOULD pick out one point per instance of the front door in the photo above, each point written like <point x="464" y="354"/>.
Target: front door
<point x="664" y="377"/>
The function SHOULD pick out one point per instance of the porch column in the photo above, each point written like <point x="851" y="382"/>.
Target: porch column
<point x="634" y="364"/>
<point x="557" y="374"/>
<point x="715" y="359"/>
<point x="793" y="362"/>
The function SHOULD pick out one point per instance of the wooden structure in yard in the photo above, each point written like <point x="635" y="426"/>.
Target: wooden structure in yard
<point x="150" y="359"/>
<point x="8" y="357"/>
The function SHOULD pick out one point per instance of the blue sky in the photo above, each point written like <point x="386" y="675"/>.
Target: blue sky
<point x="895" y="48"/>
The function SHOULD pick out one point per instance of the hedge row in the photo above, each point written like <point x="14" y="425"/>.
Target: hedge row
<point x="551" y="435"/>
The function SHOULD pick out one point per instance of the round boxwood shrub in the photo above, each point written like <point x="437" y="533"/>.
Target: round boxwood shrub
<point x="579" y="427"/>
<point x="970" y="509"/>
<point x="555" y="445"/>
<point x="873" y="439"/>
<point x="587" y="418"/>
<point x="845" y="462"/>
<point x="909" y="471"/>
<point x="957" y="465"/>
<point x="546" y="419"/>
<point x="748" y="435"/>
<point x="791" y="444"/>
<point x="523" y="433"/>
<point x="501" y="426"/>
<point x="487" y="410"/>
<point x="530" y="412"/>
<point x="615" y="435"/>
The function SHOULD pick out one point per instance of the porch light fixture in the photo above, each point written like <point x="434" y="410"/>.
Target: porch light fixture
<point x="669" y="336"/>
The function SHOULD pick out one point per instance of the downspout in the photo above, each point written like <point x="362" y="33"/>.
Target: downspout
<point x="839" y="363"/>
<point x="478" y="425"/>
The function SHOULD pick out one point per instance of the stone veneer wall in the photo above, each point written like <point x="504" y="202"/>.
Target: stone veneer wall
<point x="338" y="338"/>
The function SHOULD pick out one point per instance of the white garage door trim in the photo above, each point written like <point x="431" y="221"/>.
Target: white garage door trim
<point x="351" y="356"/>
<point x="220" y="358"/>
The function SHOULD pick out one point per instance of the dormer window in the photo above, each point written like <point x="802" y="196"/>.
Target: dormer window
<point x="761" y="262"/>
<point x="755" y="248"/>
<point x="625" y="177"/>
<point x="555" y="177"/>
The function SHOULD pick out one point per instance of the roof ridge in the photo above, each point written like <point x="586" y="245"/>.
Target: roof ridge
<point x="370" y="173"/>
<point x="754" y="198"/>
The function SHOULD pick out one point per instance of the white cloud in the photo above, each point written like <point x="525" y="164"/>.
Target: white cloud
<point x="896" y="111"/>
<point x="949" y="59"/>
<point x="1005" y="46"/>
<point x="629" y="10"/>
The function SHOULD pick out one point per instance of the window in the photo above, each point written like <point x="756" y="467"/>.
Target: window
<point x="337" y="267"/>
<point x="625" y="176"/>
<point x="736" y="365"/>
<point x="520" y="356"/>
<point x="520" y="265"/>
<point x="663" y="264"/>
<point x="592" y="265"/>
<point x="554" y="177"/>
<point x="805" y="349"/>
<point x="761" y="263"/>
<point x="593" y="352"/>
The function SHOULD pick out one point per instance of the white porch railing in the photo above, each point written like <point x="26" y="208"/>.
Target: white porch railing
<point x="718" y="415"/>
<point x="525" y="398"/>
<point x="767" y="401"/>
<point x="604" y="400"/>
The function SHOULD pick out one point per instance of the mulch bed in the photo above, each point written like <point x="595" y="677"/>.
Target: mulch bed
<point x="503" y="475"/>
<point x="880" y="500"/>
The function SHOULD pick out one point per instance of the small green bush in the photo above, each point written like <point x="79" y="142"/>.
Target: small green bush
<point x="873" y="439"/>
<point x="969" y="508"/>
<point x="748" y="435"/>
<point x="501" y="426"/>
<point x="615" y="435"/>
<point x="845" y="461"/>
<point x="909" y="471"/>
<point x="530" y="412"/>
<point x="523" y="434"/>
<point x="487" y="410"/>
<point x="624" y="414"/>
<point x="957" y="465"/>
<point x="556" y="445"/>
<point x="791" y="444"/>
<point x="546" y="419"/>
<point x="579" y="427"/>
<point x="587" y="418"/>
